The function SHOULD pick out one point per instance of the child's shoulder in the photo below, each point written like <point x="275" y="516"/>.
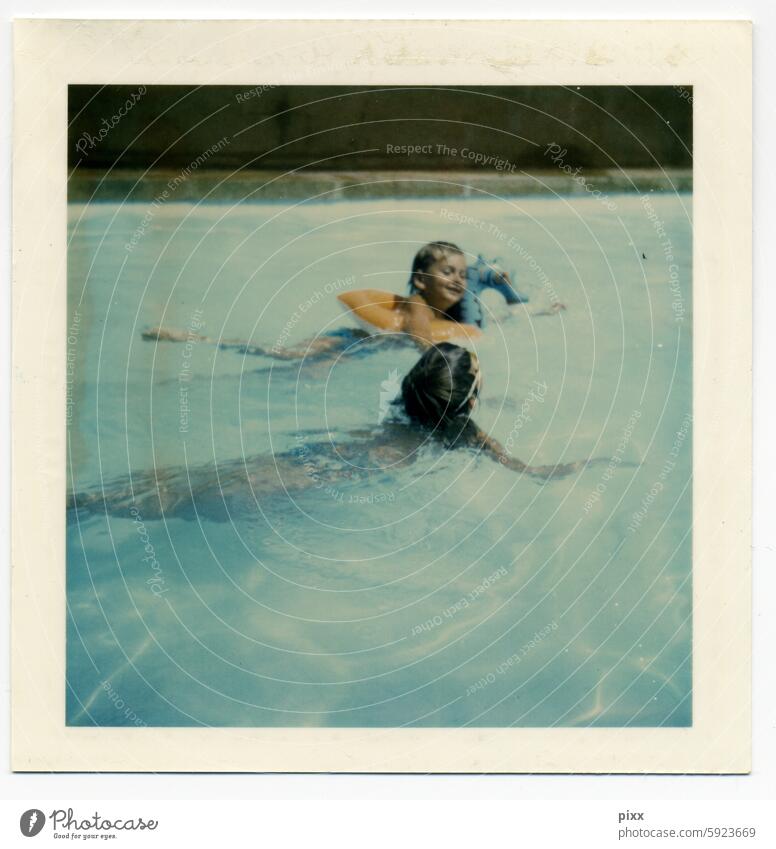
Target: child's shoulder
<point x="412" y="303"/>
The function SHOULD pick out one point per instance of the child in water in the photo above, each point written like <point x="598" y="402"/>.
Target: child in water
<point x="436" y="402"/>
<point x="432" y="268"/>
<point x="443" y="303"/>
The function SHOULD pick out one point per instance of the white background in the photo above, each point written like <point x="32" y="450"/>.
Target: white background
<point x="759" y="786"/>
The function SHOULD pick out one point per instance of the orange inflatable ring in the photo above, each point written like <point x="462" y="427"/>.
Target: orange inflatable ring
<point x="377" y="311"/>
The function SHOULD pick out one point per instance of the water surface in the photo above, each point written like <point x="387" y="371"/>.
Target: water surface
<point x="444" y="592"/>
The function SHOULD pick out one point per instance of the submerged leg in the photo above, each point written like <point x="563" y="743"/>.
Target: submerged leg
<point x="315" y="347"/>
<point x="561" y="470"/>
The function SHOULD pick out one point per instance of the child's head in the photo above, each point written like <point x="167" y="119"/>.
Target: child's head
<point x="441" y="389"/>
<point x="439" y="275"/>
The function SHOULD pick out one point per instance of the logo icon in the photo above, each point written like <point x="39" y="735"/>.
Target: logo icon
<point x="389" y="389"/>
<point x="31" y="822"/>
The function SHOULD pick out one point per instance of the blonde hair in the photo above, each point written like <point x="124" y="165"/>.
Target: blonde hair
<point x="428" y="255"/>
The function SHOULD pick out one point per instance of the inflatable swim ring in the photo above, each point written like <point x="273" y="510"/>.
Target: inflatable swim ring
<point x="377" y="311"/>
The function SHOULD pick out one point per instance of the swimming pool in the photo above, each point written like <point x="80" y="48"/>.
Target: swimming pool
<point x="451" y="592"/>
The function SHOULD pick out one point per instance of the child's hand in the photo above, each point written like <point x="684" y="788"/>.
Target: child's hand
<point x="560" y="470"/>
<point x="501" y="278"/>
<point x="168" y="334"/>
<point x="553" y="309"/>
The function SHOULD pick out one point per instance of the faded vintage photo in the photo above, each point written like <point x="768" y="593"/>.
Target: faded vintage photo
<point x="382" y="396"/>
<point x="379" y="406"/>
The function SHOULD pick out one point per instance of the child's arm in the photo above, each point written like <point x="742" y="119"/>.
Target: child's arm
<point x="309" y="348"/>
<point x="444" y="330"/>
<point x="417" y="317"/>
<point x="497" y="452"/>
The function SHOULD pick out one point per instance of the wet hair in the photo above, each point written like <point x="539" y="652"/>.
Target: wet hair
<point x="428" y="255"/>
<point x="436" y="392"/>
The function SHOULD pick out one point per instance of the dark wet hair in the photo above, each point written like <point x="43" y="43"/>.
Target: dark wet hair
<point x="436" y="391"/>
<point x="428" y="255"/>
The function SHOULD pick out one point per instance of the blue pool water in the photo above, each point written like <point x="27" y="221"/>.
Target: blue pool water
<point x="447" y="592"/>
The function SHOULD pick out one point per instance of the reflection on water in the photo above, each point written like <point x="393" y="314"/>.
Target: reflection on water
<point x="436" y="589"/>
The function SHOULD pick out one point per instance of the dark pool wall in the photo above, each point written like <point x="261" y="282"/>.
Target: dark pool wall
<point x="336" y="128"/>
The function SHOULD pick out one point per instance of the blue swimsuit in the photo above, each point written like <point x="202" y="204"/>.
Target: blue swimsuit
<point x="481" y="276"/>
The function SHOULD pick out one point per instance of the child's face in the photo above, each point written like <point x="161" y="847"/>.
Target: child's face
<point x="444" y="283"/>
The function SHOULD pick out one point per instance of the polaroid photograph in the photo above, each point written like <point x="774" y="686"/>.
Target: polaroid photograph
<point x="383" y="410"/>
